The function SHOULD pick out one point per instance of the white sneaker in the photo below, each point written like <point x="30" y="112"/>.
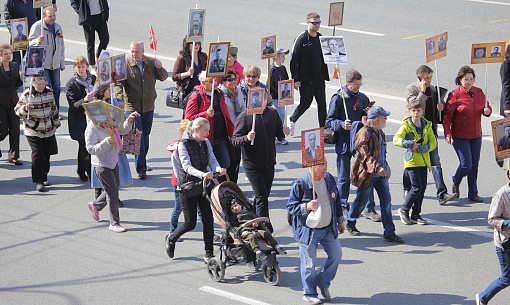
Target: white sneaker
<point x="312" y="300"/>
<point x="292" y="126"/>
<point x="284" y="142"/>
<point x="276" y="141"/>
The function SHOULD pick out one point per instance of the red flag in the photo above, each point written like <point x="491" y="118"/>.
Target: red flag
<point x="153" y="40"/>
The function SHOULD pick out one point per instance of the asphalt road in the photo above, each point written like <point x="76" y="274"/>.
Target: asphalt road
<point x="52" y="252"/>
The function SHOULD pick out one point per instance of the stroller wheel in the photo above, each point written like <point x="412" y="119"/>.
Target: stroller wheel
<point x="255" y="265"/>
<point x="216" y="269"/>
<point x="272" y="274"/>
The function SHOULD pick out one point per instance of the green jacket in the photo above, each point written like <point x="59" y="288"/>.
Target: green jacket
<point x="405" y="138"/>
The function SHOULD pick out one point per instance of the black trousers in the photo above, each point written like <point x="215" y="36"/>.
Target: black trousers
<point x="307" y="92"/>
<point x="42" y="148"/>
<point x="261" y="181"/>
<point x="101" y="27"/>
<point x="189" y="209"/>
<point x="235" y="159"/>
<point x="84" y="166"/>
<point x="9" y="125"/>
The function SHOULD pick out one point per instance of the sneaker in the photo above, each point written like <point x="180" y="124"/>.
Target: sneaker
<point x="394" y="239"/>
<point x="404" y="216"/>
<point x="40" y="187"/>
<point x="477" y="300"/>
<point x="95" y="212"/>
<point x="170" y="246"/>
<point x="207" y="258"/>
<point x="277" y="142"/>
<point x="142" y="176"/>
<point x="418" y="219"/>
<point x="447" y="197"/>
<point x="351" y="228"/>
<point x="292" y="126"/>
<point x="284" y="142"/>
<point x="373" y="216"/>
<point x="280" y="250"/>
<point x="312" y="300"/>
<point x="325" y="293"/>
<point x="116" y="228"/>
<point x="476" y="199"/>
<point x="46" y="183"/>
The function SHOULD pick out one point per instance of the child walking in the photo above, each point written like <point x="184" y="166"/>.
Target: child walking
<point x="417" y="137"/>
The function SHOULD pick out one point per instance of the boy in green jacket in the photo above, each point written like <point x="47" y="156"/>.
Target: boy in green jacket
<point x="417" y="137"/>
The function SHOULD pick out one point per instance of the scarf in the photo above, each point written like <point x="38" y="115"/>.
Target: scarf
<point x="232" y="94"/>
<point x="85" y="81"/>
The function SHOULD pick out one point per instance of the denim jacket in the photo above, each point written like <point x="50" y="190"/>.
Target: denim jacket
<point x="300" y="195"/>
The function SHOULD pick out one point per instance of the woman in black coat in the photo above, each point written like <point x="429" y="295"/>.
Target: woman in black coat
<point x="79" y="91"/>
<point x="10" y="81"/>
<point x="504" y="72"/>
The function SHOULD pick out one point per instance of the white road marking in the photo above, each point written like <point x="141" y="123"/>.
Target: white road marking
<point x="489" y="2"/>
<point x="348" y="30"/>
<point x="231" y="296"/>
<point x="459" y="228"/>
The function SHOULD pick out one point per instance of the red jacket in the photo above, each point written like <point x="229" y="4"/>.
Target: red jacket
<point x="463" y="113"/>
<point x="192" y="112"/>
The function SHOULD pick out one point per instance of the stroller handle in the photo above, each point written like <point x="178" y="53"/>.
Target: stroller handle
<point x="215" y="176"/>
<point x="260" y="219"/>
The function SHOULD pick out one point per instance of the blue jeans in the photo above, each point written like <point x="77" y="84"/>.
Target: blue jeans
<point x="383" y="191"/>
<point x="281" y="110"/>
<point x="53" y="81"/>
<point x="502" y="282"/>
<point x="143" y="123"/>
<point x="221" y="151"/>
<point x="468" y="152"/>
<point x="414" y="199"/>
<point x="308" y="256"/>
<point x="343" y="167"/>
<point x="437" y="173"/>
<point x="174" y="219"/>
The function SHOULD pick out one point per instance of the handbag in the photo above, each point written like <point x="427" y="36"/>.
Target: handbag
<point x="131" y="141"/>
<point x="330" y="136"/>
<point x="175" y="98"/>
<point x="192" y="188"/>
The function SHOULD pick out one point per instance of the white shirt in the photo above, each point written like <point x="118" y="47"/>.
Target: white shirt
<point x="323" y="197"/>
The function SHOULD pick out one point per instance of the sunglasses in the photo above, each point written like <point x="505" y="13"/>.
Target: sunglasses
<point x="251" y="76"/>
<point x="314" y="22"/>
<point x="230" y="80"/>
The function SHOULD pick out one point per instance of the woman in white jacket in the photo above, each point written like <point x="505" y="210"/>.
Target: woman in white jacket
<point x="104" y="158"/>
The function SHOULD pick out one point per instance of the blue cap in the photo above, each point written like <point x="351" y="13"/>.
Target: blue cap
<point x="377" y="111"/>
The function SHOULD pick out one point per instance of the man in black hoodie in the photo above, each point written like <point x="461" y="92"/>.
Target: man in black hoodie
<point x="309" y="71"/>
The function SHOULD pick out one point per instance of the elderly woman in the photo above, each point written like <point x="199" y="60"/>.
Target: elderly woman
<point x="463" y="128"/>
<point x="235" y="107"/>
<point x="183" y="70"/>
<point x="251" y="81"/>
<point x="104" y="149"/>
<point x="79" y="91"/>
<point x="39" y="112"/>
<point x="504" y="73"/>
<point x="499" y="218"/>
<point x="216" y="112"/>
<point x="191" y="161"/>
<point x="10" y="81"/>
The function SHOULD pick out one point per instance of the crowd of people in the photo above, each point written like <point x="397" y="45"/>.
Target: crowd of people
<point x="218" y="135"/>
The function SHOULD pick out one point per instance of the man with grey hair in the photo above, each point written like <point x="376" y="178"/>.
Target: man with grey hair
<point x="356" y="104"/>
<point x="138" y="93"/>
<point x="370" y="171"/>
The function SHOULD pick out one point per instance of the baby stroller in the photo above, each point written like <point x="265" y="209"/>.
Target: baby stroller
<point x="233" y="248"/>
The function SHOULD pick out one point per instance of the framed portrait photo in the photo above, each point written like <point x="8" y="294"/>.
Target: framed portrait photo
<point x="268" y="47"/>
<point x="19" y="34"/>
<point x="217" y="60"/>
<point x="336" y="13"/>
<point x="285" y="92"/>
<point x="98" y="113"/>
<point x="256" y="101"/>
<point x="333" y="50"/>
<point x="312" y="147"/>
<point x="501" y="138"/>
<point x="36" y="55"/>
<point x="104" y="71"/>
<point x="488" y="52"/>
<point x="119" y="67"/>
<point x="436" y="46"/>
<point x="117" y="116"/>
<point x="196" y="25"/>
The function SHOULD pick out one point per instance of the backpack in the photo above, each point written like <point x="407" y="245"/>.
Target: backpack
<point x="353" y="139"/>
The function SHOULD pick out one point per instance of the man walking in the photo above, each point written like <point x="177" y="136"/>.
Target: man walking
<point x="309" y="72"/>
<point x="370" y="171"/>
<point x="139" y="94"/>
<point x="325" y="232"/>
<point x="426" y="93"/>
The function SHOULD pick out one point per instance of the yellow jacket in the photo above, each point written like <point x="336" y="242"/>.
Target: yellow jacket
<point x="406" y="137"/>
